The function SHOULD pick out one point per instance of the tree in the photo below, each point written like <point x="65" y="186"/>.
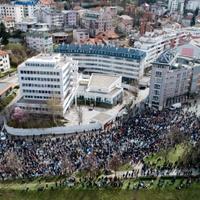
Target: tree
<point x="3" y="34"/>
<point x="115" y="163"/>
<point x="13" y="163"/>
<point x="66" y="166"/>
<point x="54" y="107"/>
<point x="91" y="164"/>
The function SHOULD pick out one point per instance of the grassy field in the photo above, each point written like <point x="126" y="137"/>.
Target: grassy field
<point x="16" y="190"/>
<point x="189" y="194"/>
<point x="172" y="156"/>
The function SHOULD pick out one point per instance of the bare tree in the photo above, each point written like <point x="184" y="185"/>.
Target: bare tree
<point x="66" y="166"/>
<point x="115" y="163"/>
<point x="54" y="107"/>
<point x="91" y="165"/>
<point x="13" y="163"/>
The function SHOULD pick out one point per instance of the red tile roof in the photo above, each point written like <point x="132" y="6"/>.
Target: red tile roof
<point x="187" y="52"/>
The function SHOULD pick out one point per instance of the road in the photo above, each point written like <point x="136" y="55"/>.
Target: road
<point x="13" y="79"/>
<point x="10" y="79"/>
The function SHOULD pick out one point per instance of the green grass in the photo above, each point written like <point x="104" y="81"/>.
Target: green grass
<point x="125" y="167"/>
<point x="172" y="156"/>
<point x="62" y="194"/>
<point x="16" y="190"/>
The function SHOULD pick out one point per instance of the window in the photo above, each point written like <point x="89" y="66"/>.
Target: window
<point x="158" y="74"/>
<point x="156" y="86"/>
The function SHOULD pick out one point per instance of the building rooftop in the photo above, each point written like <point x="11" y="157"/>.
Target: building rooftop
<point x="26" y="2"/>
<point x="47" y="60"/>
<point x="4" y="87"/>
<point x="128" y="53"/>
<point x="102" y="81"/>
<point x="60" y="34"/>
<point x="126" y="17"/>
<point x="37" y="34"/>
<point x="167" y="57"/>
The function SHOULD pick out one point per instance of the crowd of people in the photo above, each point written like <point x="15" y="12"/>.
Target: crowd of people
<point x="130" y="138"/>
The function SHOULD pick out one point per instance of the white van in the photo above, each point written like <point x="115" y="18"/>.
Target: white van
<point x="175" y="106"/>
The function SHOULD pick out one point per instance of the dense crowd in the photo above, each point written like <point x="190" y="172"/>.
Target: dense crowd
<point x="131" y="138"/>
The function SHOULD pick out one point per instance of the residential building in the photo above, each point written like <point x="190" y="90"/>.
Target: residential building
<point x="26" y="25"/>
<point x="8" y="22"/>
<point x="125" y="24"/>
<point x="80" y="35"/>
<point x="193" y="5"/>
<point x="101" y="89"/>
<point x="61" y="38"/>
<point x="70" y="18"/>
<point x="125" y="62"/>
<point x="45" y="78"/>
<point x="39" y="41"/>
<point x="4" y="61"/>
<point x="175" y="74"/>
<point x="40" y="27"/>
<point x="52" y="17"/>
<point x="7" y="10"/>
<point x="25" y="9"/>
<point x="97" y="21"/>
<point x="176" y="6"/>
<point x="155" y="43"/>
<point x="169" y="82"/>
<point x="187" y="20"/>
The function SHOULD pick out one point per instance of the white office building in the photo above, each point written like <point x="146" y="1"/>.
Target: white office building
<point x="125" y="62"/>
<point x="39" y="41"/>
<point x="4" y="61"/>
<point x="44" y="78"/>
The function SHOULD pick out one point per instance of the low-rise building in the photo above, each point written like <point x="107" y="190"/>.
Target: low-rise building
<point x="48" y="83"/>
<point x="52" y="17"/>
<point x="101" y="89"/>
<point x="62" y="37"/>
<point x="125" y="24"/>
<point x="4" y="61"/>
<point x="8" y="22"/>
<point x="26" y="25"/>
<point x="80" y="35"/>
<point x="39" y="41"/>
<point x="97" y="21"/>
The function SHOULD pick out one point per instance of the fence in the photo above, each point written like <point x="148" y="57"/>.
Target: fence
<point x="54" y="130"/>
